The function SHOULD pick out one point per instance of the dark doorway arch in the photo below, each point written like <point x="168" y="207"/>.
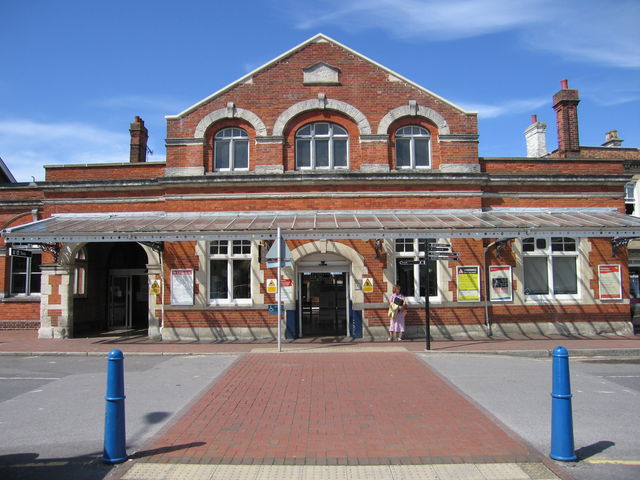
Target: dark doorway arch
<point x="116" y="295"/>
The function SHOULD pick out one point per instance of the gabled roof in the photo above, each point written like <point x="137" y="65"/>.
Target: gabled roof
<point x="315" y="39"/>
<point x="4" y="171"/>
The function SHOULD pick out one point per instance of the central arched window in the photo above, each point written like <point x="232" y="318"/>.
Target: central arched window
<point x="412" y="147"/>
<point x="322" y="145"/>
<point x="231" y="150"/>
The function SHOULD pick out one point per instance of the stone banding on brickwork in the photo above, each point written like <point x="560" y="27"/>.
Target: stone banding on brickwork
<point x="413" y="110"/>
<point x="322" y="103"/>
<point x="231" y="111"/>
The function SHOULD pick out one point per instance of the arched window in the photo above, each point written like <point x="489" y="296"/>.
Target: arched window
<point x="322" y="145"/>
<point x="231" y="150"/>
<point x="412" y="147"/>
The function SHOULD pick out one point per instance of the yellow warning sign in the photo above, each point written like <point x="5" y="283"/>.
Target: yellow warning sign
<point x="272" y="286"/>
<point x="367" y="285"/>
<point x="155" y="287"/>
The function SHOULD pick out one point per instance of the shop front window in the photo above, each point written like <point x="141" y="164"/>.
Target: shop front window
<point x="229" y="270"/>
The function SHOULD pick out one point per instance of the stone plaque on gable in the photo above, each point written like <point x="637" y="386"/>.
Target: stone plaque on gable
<point x="321" y="73"/>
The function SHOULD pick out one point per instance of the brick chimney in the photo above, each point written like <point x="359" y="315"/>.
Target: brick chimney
<point x="139" y="137"/>
<point x="565" y="103"/>
<point x="536" y="137"/>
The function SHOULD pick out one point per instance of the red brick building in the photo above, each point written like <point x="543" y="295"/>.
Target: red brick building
<point x="360" y="169"/>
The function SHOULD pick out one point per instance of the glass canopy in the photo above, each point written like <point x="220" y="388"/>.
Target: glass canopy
<point x="184" y="226"/>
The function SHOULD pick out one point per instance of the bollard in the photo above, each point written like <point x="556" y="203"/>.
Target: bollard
<point x="561" y="416"/>
<point x="114" y="424"/>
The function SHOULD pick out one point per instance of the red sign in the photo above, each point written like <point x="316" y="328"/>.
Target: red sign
<point x="286" y="282"/>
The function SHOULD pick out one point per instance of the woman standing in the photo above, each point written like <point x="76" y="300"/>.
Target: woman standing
<point x="397" y="305"/>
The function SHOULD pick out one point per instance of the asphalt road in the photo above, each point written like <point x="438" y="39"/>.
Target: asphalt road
<point x="606" y="405"/>
<point x="52" y="408"/>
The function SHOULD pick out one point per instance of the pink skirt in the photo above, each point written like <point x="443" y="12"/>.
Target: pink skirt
<point x="397" y="322"/>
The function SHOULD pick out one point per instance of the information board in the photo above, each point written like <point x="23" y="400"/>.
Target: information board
<point x="468" y="284"/>
<point x="182" y="287"/>
<point x="609" y="282"/>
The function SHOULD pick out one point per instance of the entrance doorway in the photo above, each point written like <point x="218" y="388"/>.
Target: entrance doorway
<point x="323" y="304"/>
<point x="128" y="300"/>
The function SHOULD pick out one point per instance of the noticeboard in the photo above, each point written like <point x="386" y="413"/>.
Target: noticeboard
<point x="609" y="282"/>
<point x="182" y="287"/>
<point x="500" y="283"/>
<point x="468" y="284"/>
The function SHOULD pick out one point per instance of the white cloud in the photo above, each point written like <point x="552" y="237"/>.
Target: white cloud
<point x="511" y="107"/>
<point x="27" y="145"/>
<point x="433" y="19"/>
<point x="604" y="33"/>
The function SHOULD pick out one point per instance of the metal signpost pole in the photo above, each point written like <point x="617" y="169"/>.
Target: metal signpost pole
<point x="279" y="294"/>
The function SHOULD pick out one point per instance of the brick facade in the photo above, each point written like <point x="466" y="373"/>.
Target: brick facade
<point x="371" y="103"/>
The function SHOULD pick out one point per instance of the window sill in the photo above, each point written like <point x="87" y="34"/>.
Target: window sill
<point x="22" y="299"/>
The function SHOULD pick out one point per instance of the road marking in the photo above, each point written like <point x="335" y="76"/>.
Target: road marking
<point x="30" y="378"/>
<point x="613" y="462"/>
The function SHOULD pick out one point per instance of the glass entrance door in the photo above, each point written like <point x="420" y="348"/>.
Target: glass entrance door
<point x="128" y="301"/>
<point x="119" y="302"/>
<point x="323" y="304"/>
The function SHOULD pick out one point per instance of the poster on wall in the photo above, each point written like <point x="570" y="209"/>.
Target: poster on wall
<point x="609" y="282"/>
<point x="182" y="287"/>
<point x="468" y="284"/>
<point x="500" y="289"/>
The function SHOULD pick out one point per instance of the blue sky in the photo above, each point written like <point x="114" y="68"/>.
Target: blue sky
<point x="73" y="74"/>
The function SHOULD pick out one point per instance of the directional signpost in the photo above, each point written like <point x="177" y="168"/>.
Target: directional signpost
<point x="282" y="256"/>
<point x="434" y="251"/>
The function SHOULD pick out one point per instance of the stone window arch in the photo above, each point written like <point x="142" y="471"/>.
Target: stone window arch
<point x="321" y="103"/>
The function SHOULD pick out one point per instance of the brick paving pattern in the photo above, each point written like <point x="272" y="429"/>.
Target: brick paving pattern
<point x="337" y="409"/>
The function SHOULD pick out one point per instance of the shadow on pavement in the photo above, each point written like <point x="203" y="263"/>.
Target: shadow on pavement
<point x="583" y="453"/>
<point x="28" y="466"/>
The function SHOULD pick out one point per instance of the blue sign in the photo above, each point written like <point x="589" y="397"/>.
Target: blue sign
<point x="273" y="309"/>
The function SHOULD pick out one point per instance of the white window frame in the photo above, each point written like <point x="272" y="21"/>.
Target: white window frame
<point x="243" y="136"/>
<point x="549" y="254"/>
<point x="412" y="147"/>
<point x="28" y="274"/>
<point x="414" y="250"/>
<point x="230" y="257"/>
<point x="313" y="137"/>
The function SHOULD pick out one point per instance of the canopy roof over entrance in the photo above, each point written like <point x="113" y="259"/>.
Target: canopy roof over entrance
<point x="363" y="224"/>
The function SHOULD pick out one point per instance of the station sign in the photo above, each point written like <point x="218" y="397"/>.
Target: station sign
<point x="18" y="252"/>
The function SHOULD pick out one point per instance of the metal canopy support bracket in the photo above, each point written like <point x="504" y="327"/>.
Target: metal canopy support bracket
<point x="617" y="242"/>
<point x="157" y="246"/>
<point x="52" y="248"/>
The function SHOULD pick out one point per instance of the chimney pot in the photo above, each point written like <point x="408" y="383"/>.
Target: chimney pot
<point x="564" y="83"/>
<point x="534" y="118"/>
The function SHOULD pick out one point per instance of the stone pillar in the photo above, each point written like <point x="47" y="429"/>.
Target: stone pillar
<point x="56" y="304"/>
<point x="155" y="300"/>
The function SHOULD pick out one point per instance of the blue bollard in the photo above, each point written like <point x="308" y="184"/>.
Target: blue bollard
<point x="114" y="424"/>
<point x="561" y="417"/>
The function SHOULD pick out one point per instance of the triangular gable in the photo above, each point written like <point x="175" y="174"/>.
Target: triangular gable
<point x="315" y="39"/>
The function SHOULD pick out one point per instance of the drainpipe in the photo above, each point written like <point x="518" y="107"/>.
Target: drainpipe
<point x="487" y="320"/>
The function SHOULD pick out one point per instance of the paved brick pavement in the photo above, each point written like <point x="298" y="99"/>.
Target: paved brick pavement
<point x="26" y="341"/>
<point x="365" y="408"/>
